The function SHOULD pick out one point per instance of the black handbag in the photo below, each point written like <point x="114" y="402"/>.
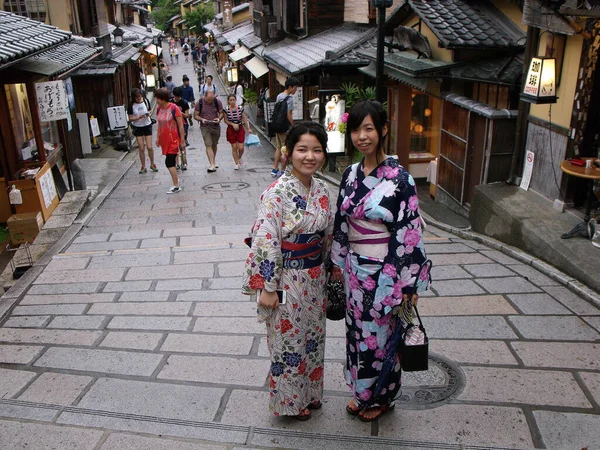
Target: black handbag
<point x="336" y="300"/>
<point x="414" y="343"/>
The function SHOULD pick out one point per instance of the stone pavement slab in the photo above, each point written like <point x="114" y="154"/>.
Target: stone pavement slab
<point x="483" y="425"/>
<point x="211" y="369"/>
<point x="131" y="259"/>
<point x="239" y="325"/>
<point x="457" y="287"/>
<point x="59" y="263"/>
<point x="19" y="354"/>
<point x="507" y="285"/>
<point x="228" y="295"/>
<point x="571" y="300"/>
<point x="27" y="322"/>
<point x="132" y="340"/>
<point x="141" y="309"/>
<point x="229" y="309"/>
<point x="488" y="270"/>
<point x="533" y="275"/>
<point x="592" y="382"/>
<point x="593" y="321"/>
<point x="12" y="381"/>
<point x="200" y="231"/>
<point x="140" y="397"/>
<point x="127" y="286"/>
<point x="232" y="283"/>
<point x="118" y="441"/>
<point x="568" y="430"/>
<point x="95" y="246"/>
<point x="171" y="272"/>
<point x="559" y="354"/>
<point x="150" y="323"/>
<point x="79" y="276"/>
<point x="441" y="259"/>
<point x="144" y="296"/>
<point x="564" y="328"/>
<point x="64" y="288"/>
<point x="474" y="327"/>
<point x="522" y="386"/>
<point x="59" y="337"/>
<point x="69" y="309"/>
<point x="134" y="235"/>
<point x="66" y="298"/>
<point x="450" y="272"/>
<point x="208" y="343"/>
<point x="538" y="304"/>
<point x="465" y="306"/>
<point x="180" y="285"/>
<point x="19" y="435"/>
<point x="95" y="360"/>
<point x="76" y="322"/>
<point x="474" y="352"/>
<point x="56" y="388"/>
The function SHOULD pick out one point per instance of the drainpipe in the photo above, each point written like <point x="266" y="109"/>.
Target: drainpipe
<point x="516" y="167"/>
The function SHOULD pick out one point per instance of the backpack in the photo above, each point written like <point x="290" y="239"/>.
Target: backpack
<point x="186" y="48"/>
<point x="279" y="121"/>
<point x="201" y="102"/>
<point x="204" y="89"/>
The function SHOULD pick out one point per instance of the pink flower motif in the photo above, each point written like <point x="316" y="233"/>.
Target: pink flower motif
<point x="371" y="342"/>
<point x="369" y="284"/>
<point x="412" y="238"/>
<point x="354" y="283"/>
<point x="359" y="212"/>
<point x="424" y="274"/>
<point x="365" y="395"/>
<point x="379" y="353"/>
<point x="413" y="203"/>
<point x="353" y="373"/>
<point x="390" y="270"/>
<point x="344" y="117"/>
<point x="345" y="204"/>
<point x="357" y="314"/>
<point x="387" y="172"/>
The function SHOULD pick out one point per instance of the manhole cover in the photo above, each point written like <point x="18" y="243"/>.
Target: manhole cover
<point x="432" y="388"/>
<point x="259" y="170"/>
<point x="223" y="187"/>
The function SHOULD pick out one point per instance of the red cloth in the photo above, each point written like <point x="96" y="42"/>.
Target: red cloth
<point x="235" y="136"/>
<point x="168" y="129"/>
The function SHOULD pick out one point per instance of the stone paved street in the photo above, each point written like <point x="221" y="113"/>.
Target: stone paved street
<point x="138" y="329"/>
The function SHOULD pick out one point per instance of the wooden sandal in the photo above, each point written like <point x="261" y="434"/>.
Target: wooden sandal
<point x="315" y="405"/>
<point x="352" y="408"/>
<point x="381" y="410"/>
<point x="304" y="415"/>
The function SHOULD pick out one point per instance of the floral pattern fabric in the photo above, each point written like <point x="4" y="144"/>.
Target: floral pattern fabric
<point x="374" y="287"/>
<point x="295" y="330"/>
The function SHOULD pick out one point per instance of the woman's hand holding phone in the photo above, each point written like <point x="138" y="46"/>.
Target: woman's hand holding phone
<point x="268" y="299"/>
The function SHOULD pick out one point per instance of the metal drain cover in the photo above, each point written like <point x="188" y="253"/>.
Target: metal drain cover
<point x="259" y="170"/>
<point x="225" y="186"/>
<point x="430" y="389"/>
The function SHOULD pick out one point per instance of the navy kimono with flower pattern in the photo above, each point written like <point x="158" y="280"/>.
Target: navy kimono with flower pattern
<point x="375" y="286"/>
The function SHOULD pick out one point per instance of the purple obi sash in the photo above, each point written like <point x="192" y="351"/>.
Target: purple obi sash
<point x="303" y="251"/>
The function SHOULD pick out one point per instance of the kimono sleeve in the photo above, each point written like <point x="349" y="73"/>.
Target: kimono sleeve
<point x="406" y="252"/>
<point x="264" y="263"/>
<point x="340" y="243"/>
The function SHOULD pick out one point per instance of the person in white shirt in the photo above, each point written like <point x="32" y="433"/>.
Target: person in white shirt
<point x="208" y="86"/>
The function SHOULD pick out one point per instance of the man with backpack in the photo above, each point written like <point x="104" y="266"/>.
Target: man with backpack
<point x="186" y="52"/>
<point x="188" y="94"/>
<point x="281" y="121"/>
<point x="208" y="112"/>
<point x="208" y="86"/>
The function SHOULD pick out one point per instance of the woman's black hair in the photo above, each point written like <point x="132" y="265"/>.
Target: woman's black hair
<point x="306" y="127"/>
<point x="134" y="93"/>
<point x="229" y="96"/>
<point x="364" y="109"/>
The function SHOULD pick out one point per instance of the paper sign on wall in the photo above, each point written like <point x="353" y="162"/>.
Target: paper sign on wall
<point x="117" y="119"/>
<point x="528" y="170"/>
<point x="95" y="127"/>
<point x="52" y="100"/>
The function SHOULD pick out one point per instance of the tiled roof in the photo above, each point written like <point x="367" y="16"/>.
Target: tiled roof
<point x="234" y="10"/>
<point x="124" y="54"/>
<point x="174" y="18"/>
<point x="95" y="70"/>
<point x="251" y="41"/>
<point x="478" y="107"/>
<point x="20" y="37"/>
<point x="468" y="24"/>
<point x="234" y="35"/>
<point x="506" y="70"/>
<point x="136" y="33"/>
<point x="298" y="56"/>
<point x="59" y="59"/>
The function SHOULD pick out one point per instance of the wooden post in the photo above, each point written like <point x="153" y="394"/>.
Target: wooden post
<point x="403" y="137"/>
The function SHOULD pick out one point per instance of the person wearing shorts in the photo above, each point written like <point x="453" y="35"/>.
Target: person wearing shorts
<point x="170" y="135"/>
<point x="235" y="118"/>
<point x="208" y="112"/>
<point x="141" y="126"/>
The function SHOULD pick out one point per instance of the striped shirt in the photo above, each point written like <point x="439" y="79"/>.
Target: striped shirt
<point x="235" y="115"/>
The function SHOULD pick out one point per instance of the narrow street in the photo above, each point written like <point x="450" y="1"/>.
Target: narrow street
<point x="136" y="336"/>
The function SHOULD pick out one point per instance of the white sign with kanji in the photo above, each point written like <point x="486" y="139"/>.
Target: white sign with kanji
<point x="52" y="100"/>
<point x="528" y="170"/>
<point x="117" y="118"/>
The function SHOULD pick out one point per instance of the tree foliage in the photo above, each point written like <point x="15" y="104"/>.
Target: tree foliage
<point x="162" y="11"/>
<point x="202" y="15"/>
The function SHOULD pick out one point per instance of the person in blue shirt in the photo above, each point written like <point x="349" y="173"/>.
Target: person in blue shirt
<point x="188" y="94"/>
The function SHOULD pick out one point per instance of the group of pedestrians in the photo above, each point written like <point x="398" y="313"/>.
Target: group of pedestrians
<point x="374" y="245"/>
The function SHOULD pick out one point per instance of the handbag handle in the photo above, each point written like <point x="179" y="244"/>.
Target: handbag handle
<point x="428" y="264"/>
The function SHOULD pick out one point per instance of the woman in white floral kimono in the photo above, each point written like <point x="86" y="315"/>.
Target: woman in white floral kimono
<point x="288" y="253"/>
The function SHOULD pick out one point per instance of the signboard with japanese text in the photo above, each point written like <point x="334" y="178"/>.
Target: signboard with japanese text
<point x="95" y="127"/>
<point x="227" y="14"/>
<point x="298" y="113"/>
<point x="52" y="100"/>
<point x="532" y="83"/>
<point x="48" y="188"/>
<point x="117" y="118"/>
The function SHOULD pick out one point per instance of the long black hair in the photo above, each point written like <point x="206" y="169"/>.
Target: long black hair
<point x="305" y="127"/>
<point x="363" y="109"/>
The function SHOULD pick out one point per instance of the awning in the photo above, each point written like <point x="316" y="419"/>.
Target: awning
<point x="153" y="49"/>
<point x="257" y="67"/>
<point x="417" y="83"/>
<point x="227" y="48"/>
<point x="240" y="53"/>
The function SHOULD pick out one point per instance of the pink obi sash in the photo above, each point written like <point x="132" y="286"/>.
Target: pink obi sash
<point x="368" y="238"/>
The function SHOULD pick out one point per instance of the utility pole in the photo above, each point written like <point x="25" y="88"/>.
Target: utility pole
<point x="381" y="5"/>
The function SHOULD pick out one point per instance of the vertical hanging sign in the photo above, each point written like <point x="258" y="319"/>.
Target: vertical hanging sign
<point x="52" y="100"/>
<point x="227" y="14"/>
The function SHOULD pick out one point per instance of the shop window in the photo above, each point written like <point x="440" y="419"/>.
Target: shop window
<point x="21" y="122"/>
<point x="34" y="9"/>
<point x="424" y="124"/>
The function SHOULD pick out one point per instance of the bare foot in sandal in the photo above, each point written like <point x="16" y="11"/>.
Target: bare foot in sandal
<point x="304" y="415"/>
<point x="352" y="408"/>
<point x="371" y="414"/>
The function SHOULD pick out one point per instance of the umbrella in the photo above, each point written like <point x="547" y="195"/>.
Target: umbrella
<point x="395" y="340"/>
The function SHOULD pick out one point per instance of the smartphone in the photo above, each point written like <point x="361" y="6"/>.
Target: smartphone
<point x="281" y="294"/>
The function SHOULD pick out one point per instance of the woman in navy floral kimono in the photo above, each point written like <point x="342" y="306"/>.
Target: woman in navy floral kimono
<point x="378" y="250"/>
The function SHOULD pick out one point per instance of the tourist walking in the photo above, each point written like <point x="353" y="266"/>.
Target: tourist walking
<point x="170" y="134"/>
<point x="291" y="86"/>
<point x="286" y="270"/>
<point x="208" y="86"/>
<point x="208" y="113"/>
<point x="188" y="94"/>
<point x="139" y="112"/>
<point x="378" y="249"/>
<point x="184" y="107"/>
<point x="236" y="119"/>
<point x="169" y="85"/>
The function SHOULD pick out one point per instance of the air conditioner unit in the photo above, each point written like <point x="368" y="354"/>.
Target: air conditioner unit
<point x="273" y="30"/>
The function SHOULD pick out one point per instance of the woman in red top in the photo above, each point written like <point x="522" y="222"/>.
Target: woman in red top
<point x="236" y="119"/>
<point x="170" y="134"/>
